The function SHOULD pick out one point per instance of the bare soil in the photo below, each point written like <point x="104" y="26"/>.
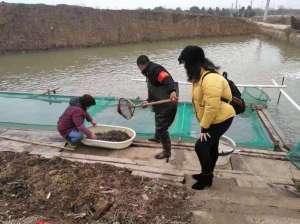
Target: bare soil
<point x="66" y="192"/>
<point x="113" y="136"/>
<point x="43" y="27"/>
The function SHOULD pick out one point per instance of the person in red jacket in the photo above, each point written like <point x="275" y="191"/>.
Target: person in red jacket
<point x="160" y="86"/>
<point x="71" y="124"/>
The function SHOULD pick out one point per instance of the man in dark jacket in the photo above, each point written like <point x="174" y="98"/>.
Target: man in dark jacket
<point x="160" y="86"/>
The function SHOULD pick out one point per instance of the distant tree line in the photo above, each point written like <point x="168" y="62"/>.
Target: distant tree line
<point x="283" y="11"/>
<point x="241" y="12"/>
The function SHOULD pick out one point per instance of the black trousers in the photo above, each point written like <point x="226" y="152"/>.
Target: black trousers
<point x="164" y="118"/>
<point x="208" y="152"/>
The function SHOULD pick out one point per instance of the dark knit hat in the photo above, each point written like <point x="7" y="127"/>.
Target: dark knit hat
<point x="142" y="60"/>
<point x="87" y="101"/>
<point x="191" y="55"/>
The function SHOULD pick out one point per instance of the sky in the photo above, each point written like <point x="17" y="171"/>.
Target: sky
<point x="184" y="4"/>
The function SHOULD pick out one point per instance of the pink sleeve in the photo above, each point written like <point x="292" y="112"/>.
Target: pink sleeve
<point x="88" y="117"/>
<point x="78" y="119"/>
<point x="85" y="131"/>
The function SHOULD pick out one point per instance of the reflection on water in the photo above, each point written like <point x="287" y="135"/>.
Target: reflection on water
<point x="108" y="71"/>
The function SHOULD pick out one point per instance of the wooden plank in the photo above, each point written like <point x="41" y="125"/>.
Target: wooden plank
<point x="157" y="146"/>
<point x="175" y="146"/>
<point x="264" y="156"/>
<point x="237" y="163"/>
<point x="141" y="170"/>
<point x="3" y="130"/>
<point x="260" y="151"/>
<point x="144" y="166"/>
<point x="130" y="164"/>
<point x="97" y="158"/>
<point x="183" y="144"/>
<point x="36" y="143"/>
<point x="158" y="176"/>
<point x="287" y="144"/>
<point x="295" y="175"/>
<point x="133" y="164"/>
<point x="278" y="144"/>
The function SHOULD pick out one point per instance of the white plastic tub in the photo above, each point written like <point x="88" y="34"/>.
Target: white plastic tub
<point x="226" y="148"/>
<point x="108" y="144"/>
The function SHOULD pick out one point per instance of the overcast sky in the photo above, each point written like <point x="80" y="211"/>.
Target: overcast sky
<point x="184" y="4"/>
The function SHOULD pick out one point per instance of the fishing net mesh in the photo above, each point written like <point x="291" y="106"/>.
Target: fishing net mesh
<point x="254" y="96"/>
<point x="294" y="155"/>
<point x="42" y="112"/>
<point x="126" y="108"/>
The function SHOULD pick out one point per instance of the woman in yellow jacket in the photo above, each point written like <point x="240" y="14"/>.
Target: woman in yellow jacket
<point x="214" y="114"/>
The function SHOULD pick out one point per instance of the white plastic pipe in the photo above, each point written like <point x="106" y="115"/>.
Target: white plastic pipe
<point x="287" y="96"/>
<point x="238" y="85"/>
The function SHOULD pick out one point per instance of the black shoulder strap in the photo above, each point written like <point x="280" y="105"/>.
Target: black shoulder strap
<point x="207" y="74"/>
<point x="225" y="76"/>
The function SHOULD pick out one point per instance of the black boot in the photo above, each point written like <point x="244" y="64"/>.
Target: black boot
<point x="166" y="153"/>
<point x="206" y="181"/>
<point x="156" y="140"/>
<point x="199" y="177"/>
<point x="163" y="155"/>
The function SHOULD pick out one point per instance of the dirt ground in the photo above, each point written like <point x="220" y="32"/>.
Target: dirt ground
<point x="69" y="192"/>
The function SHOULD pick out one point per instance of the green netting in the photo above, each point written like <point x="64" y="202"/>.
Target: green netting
<point x="42" y="112"/>
<point x="294" y="155"/>
<point x="255" y="96"/>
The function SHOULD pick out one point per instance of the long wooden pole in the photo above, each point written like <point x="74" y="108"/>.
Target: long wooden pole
<point x="282" y="82"/>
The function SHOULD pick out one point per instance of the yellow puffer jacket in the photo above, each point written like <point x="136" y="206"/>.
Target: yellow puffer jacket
<point x="207" y="102"/>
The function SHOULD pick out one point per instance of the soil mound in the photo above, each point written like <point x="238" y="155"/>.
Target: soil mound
<point x="62" y="191"/>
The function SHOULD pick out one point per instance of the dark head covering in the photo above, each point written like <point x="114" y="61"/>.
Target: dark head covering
<point x="87" y="101"/>
<point x="191" y="55"/>
<point x="142" y="60"/>
<point x="194" y="59"/>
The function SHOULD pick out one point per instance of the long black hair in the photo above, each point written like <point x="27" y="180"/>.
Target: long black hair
<point x="194" y="59"/>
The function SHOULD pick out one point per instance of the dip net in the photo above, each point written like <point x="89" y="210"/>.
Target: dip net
<point x="125" y="108"/>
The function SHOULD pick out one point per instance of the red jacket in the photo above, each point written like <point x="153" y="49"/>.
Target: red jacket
<point x="73" y="119"/>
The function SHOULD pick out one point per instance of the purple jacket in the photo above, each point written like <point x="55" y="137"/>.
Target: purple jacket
<point x="73" y="118"/>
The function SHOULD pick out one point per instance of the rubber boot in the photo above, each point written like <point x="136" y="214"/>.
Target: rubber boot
<point x="198" y="176"/>
<point x="206" y="181"/>
<point x="165" y="154"/>
<point x="154" y="139"/>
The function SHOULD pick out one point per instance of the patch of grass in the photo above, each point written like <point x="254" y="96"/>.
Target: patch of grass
<point x="298" y="188"/>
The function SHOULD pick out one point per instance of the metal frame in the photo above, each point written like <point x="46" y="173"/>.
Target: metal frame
<point x="287" y="96"/>
<point x="238" y="85"/>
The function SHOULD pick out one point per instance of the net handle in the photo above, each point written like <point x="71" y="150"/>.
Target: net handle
<point x="154" y="103"/>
